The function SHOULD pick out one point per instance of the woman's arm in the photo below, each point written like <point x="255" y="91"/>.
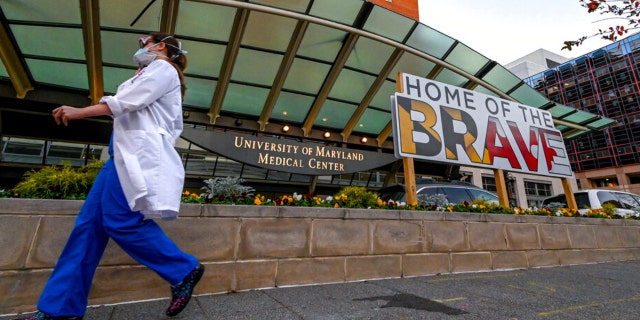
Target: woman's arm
<point x="63" y="114"/>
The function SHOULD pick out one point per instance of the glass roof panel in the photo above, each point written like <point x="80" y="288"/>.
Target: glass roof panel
<point x="268" y="31"/>
<point x="372" y="121"/>
<point x="484" y="90"/>
<point x="72" y="75"/>
<point x="501" y="78"/>
<point x="113" y="77"/>
<point x="382" y="98"/>
<point x="306" y="76"/>
<point x="411" y="64"/>
<point x="466" y="59"/>
<point x="558" y="111"/>
<point x="369" y="55"/>
<point x="291" y="5"/>
<point x="127" y="44"/>
<point x="321" y="43"/>
<point x="292" y="107"/>
<point x="55" y="11"/>
<point x="199" y="92"/>
<point x="347" y="14"/>
<point x="256" y="67"/>
<point x="351" y="86"/>
<point x="449" y="77"/>
<point x="3" y="71"/>
<point x="580" y="116"/>
<point x="335" y="114"/>
<point x="206" y="67"/>
<point x="59" y="42"/>
<point x="205" y="21"/>
<point x="601" y="123"/>
<point x="430" y="41"/>
<point x="388" y="24"/>
<point x="529" y="96"/>
<point x="244" y="99"/>
<point x="123" y="13"/>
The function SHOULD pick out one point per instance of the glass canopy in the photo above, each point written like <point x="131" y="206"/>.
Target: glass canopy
<point x="312" y="65"/>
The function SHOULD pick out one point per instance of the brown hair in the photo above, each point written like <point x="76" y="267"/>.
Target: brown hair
<point x="175" y="54"/>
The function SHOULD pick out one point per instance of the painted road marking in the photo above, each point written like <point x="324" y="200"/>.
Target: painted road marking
<point x="584" y="306"/>
<point x="473" y="277"/>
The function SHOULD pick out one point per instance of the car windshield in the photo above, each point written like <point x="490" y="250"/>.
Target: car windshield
<point x="479" y="194"/>
<point x="628" y="201"/>
<point x="607" y="197"/>
<point x="457" y="195"/>
<point x="557" y="199"/>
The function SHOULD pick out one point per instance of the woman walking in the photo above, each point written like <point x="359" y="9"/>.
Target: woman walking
<point x="142" y="179"/>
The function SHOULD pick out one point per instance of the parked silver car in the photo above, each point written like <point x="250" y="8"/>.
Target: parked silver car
<point x="455" y="192"/>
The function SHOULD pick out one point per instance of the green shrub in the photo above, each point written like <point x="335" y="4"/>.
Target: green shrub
<point x="609" y="208"/>
<point x="356" y="197"/>
<point x="58" y="182"/>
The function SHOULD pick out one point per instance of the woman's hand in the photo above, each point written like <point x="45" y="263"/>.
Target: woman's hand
<point x="63" y="114"/>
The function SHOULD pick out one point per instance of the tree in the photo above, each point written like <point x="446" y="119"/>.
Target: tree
<point x="627" y="10"/>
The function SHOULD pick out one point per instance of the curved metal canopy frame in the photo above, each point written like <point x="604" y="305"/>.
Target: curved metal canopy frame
<point x="95" y="35"/>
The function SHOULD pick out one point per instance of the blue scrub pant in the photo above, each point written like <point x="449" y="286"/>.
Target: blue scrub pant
<point x="106" y="214"/>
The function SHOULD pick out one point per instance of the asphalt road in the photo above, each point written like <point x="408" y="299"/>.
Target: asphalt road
<point x="594" y="291"/>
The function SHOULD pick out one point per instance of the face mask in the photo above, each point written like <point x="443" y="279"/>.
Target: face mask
<point x="143" y="57"/>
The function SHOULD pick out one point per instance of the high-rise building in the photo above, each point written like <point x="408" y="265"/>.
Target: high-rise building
<point x="604" y="82"/>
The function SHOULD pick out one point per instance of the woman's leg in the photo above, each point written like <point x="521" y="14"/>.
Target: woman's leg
<point x="68" y="287"/>
<point x="142" y="239"/>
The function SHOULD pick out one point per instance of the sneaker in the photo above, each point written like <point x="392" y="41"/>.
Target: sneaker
<point x="182" y="292"/>
<point x="43" y="316"/>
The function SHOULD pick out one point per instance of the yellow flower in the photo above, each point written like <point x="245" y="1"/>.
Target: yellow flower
<point x="450" y="208"/>
<point x="186" y="193"/>
<point x="336" y="205"/>
<point x="257" y="201"/>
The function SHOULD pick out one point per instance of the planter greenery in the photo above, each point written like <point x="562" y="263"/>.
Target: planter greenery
<point x="58" y="182"/>
<point x="66" y="182"/>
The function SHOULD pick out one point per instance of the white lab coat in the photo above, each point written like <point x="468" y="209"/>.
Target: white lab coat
<point x="147" y="121"/>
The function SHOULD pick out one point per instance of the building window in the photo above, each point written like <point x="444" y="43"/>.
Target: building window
<point x="604" y="182"/>
<point x="489" y="183"/>
<point x="537" y="189"/>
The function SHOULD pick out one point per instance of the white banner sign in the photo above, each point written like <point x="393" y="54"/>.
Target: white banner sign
<point x="444" y="123"/>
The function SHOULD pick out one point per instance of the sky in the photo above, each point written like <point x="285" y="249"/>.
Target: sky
<point x="505" y="30"/>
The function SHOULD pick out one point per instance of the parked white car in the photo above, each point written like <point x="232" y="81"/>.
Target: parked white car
<point x="625" y="202"/>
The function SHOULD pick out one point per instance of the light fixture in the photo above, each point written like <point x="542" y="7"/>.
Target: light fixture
<point x="285" y="128"/>
<point x="364" y="139"/>
<point x="327" y="134"/>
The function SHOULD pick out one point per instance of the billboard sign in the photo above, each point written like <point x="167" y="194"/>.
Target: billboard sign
<point x="444" y="123"/>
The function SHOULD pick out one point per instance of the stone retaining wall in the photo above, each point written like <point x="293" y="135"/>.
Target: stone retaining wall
<point x="252" y="247"/>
